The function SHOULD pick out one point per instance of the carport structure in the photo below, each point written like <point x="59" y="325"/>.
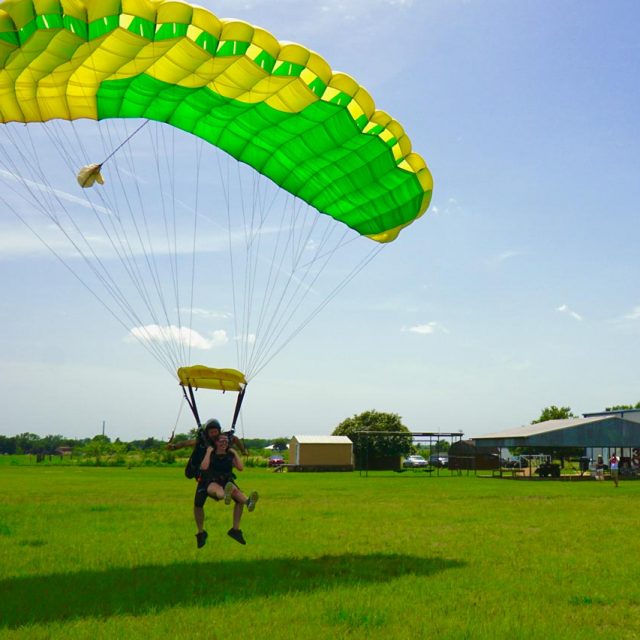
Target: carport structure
<point x="363" y="441"/>
<point x="597" y="434"/>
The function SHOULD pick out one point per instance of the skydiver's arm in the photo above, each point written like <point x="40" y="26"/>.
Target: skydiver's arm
<point x="172" y="446"/>
<point x="238" y="444"/>
<point x="237" y="462"/>
<point x="206" y="461"/>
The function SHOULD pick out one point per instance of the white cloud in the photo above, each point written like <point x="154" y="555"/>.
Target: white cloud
<point x="563" y="308"/>
<point x="634" y="314"/>
<point x="450" y="206"/>
<point x="426" y="329"/>
<point x="249" y="338"/>
<point x="179" y="335"/>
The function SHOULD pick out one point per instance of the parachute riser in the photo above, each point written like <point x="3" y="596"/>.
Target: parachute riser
<point x="191" y="401"/>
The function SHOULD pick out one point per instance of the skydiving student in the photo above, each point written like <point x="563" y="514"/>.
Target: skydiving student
<point x="216" y="481"/>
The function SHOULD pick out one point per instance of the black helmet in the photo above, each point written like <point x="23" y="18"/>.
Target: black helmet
<point x="212" y="424"/>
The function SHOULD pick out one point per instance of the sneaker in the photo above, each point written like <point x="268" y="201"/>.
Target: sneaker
<point x="236" y="534"/>
<point x="228" y="490"/>
<point x="251" y="503"/>
<point x="201" y="539"/>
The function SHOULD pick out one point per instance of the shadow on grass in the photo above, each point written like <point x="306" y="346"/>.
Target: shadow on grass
<point x="140" y="590"/>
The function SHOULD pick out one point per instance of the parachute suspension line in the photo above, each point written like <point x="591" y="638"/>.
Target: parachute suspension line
<point x="51" y="197"/>
<point x="249" y="235"/>
<point x="261" y="209"/>
<point x="253" y="243"/>
<point x="38" y="205"/>
<point x="253" y="259"/>
<point x="76" y="275"/>
<point x="225" y="187"/>
<point x="122" y="247"/>
<point x="335" y="291"/>
<point x="199" y="149"/>
<point x="172" y="243"/>
<point x="255" y="336"/>
<point x="302" y="289"/>
<point x="175" y="424"/>
<point x="143" y="237"/>
<point x="40" y="189"/>
<point x="113" y="153"/>
<point x="131" y="265"/>
<point x="144" y="246"/>
<point x="277" y="265"/>
<point x="170" y="234"/>
<point x="265" y="306"/>
<point x="251" y="231"/>
<point x="292" y="296"/>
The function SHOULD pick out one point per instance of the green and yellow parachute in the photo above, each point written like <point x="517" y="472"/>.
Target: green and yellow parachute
<point x="277" y="107"/>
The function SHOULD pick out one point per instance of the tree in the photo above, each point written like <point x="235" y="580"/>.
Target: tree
<point x="376" y="446"/>
<point x="27" y="442"/>
<point x="441" y="446"/>
<point x="7" y="444"/>
<point x="281" y="444"/>
<point x="554" y="413"/>
<point x="623" y="407"/>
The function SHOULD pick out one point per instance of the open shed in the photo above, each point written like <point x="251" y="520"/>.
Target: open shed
<point x="321" y="453"/>
<point x="609" y="431"/>
<point x="597" y="434"/>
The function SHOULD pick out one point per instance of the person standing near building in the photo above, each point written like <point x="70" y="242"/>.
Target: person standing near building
<point x="614" y="467"/>
<point x="599" y="468"/>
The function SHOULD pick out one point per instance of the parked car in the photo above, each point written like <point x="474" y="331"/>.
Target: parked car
<point x="414" y="461"/>
<point x="439" y="460"/>
<point x="276" y="461"/>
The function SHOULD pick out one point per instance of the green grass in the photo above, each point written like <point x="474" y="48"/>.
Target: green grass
<point x="110" y="553"/>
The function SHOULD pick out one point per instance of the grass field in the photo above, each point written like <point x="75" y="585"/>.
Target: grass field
<point x="110" y="553"/>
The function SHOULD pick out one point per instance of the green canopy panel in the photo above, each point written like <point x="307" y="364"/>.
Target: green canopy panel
<point x="276" y="107"/>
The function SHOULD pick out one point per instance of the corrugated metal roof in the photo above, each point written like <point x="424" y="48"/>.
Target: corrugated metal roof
<point x="597" y="431"/>
<point x="322" y="439"/>
<point x="540" y="427"/>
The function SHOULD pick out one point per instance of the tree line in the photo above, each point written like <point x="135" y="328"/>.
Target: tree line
<point x="31" y="443"/>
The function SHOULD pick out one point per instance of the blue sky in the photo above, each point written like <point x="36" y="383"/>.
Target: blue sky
<point x="517" y="290"/>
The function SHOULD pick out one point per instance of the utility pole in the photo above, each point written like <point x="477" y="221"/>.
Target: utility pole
<point x="103" y="423"/>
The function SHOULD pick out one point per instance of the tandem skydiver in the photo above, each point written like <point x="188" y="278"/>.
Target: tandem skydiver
<point x="215" y="476"/>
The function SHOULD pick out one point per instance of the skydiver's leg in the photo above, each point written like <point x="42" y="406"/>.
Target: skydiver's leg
<point x="215" y="491"/>
<point x="235" y="532"/>
<point x="198" y="514"/>
<point x="237" y="514"/>
<point x="239" y="497"/>
<point x="198" y="505"/>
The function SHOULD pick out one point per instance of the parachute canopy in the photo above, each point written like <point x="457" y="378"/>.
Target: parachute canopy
<point x="200" y="377"/>
<point x="174" y="255"/>
<point x="276" y="107"/>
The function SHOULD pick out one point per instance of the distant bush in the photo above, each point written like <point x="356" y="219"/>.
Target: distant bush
<point x="255" y="461"/>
